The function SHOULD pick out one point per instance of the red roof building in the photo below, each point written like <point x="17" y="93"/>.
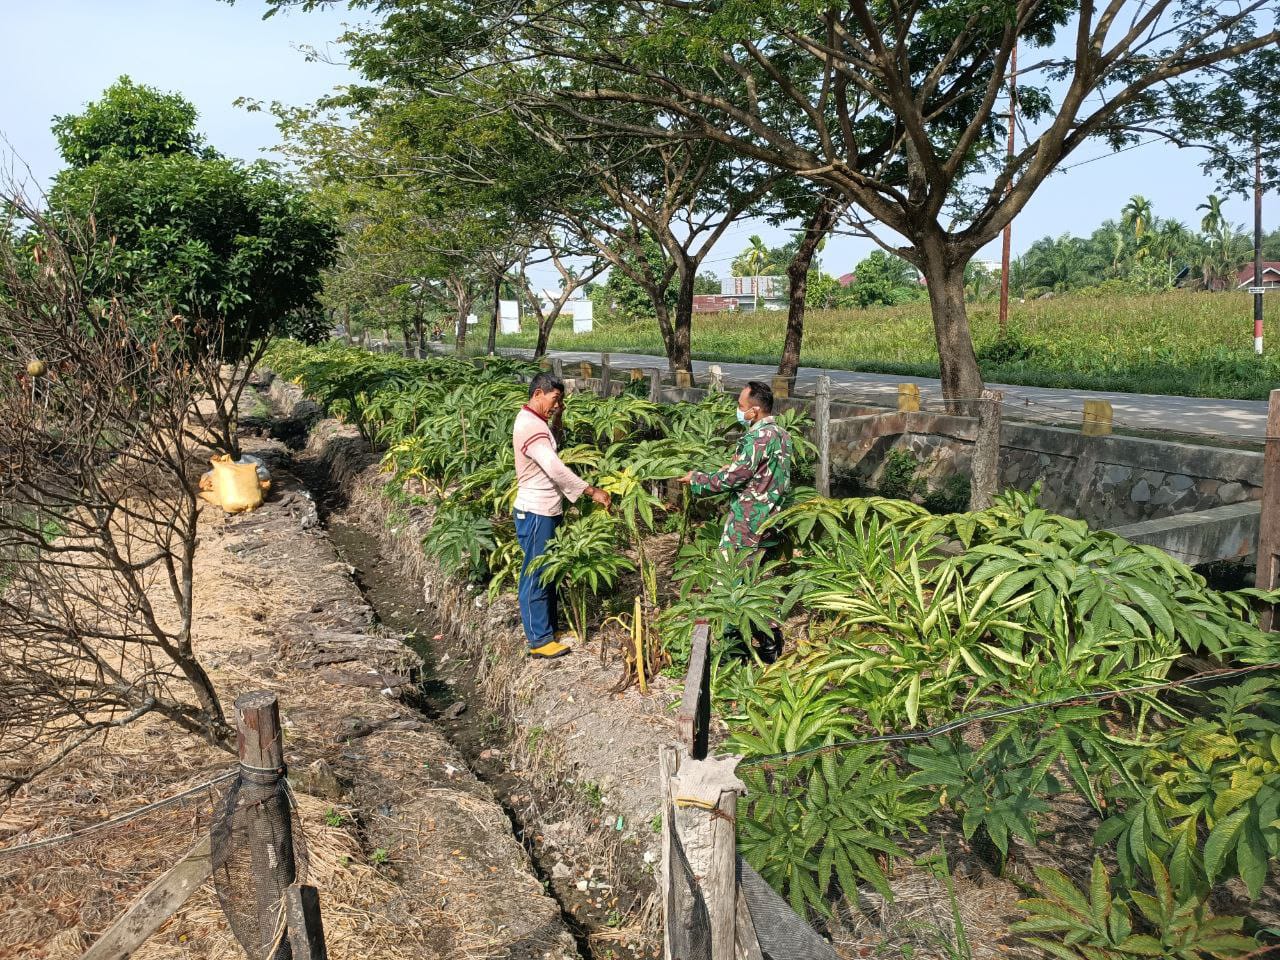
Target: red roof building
<point x="1270" y="275"/>
<point x="847" y="279"/>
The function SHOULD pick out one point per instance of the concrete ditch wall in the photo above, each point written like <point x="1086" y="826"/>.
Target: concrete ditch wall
<point x="1108" y="481"/>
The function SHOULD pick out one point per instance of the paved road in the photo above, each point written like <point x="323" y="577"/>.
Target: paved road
<point x="1224" y="419"/>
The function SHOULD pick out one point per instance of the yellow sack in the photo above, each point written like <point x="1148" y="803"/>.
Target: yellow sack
<point x="235" y="485"/>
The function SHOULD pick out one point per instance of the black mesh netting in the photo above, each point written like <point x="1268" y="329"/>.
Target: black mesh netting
<point x="688" y="923"/>
<point x="257" y="850"/>
<point x="782" y="934"/>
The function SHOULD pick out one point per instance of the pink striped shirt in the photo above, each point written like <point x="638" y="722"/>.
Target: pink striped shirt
<point x="542" y="479"/>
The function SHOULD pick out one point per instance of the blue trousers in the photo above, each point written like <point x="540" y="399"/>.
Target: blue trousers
<point x="538" y="610"/>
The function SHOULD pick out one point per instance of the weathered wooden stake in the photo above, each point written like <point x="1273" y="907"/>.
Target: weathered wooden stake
<point x="715" y="378"/>
<point x="544" y="363"/>
<point x="1097" y="418"/>
<point x="781" y="387"/>
<point x="585" y="371"/>
<point x="684" y="379"/>
<point x="261" y="750"/>
<point x="822" y="433"/>
<point x="154" y="906"/>
<point x="908" y="398"/>
<point x="986" y="452"/>
<point x="1268" y="572"/>
<point x="365" y="340"/>
<point x="302" y="914"/>
<point x="606" y="380"/>
<point x="655" y="385"/>
<point x="557" y="368"/>
<point x="694" y="719"/>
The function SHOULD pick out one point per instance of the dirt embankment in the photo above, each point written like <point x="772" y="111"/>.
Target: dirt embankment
<point x="412" y="854"/>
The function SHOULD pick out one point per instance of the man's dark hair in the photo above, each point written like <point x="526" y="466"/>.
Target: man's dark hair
<point x="761" y="395"/>
<point x="550" y="383"/>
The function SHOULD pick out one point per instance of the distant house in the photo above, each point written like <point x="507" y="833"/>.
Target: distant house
<point x="848" y="279"/>
<point x="1270" y="276"/>
<point x="713" y="303"/>
<point x="770" y="291"/>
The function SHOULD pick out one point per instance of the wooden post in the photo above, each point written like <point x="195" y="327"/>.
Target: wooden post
<point x="684" y="379"/>
<point x="781" y="387"/>
<point x="908" y="398"/>
<point x="261" y="749"/>
<point x="986" y="452"/>
<point x="366" y="341"/>
<point x="694" y="719"/>
<point x="606" y="381"/>
<point x="668" y="765"/>
<point x="715" y="380"/>
<point x="706" y="807"/>
<point x="1269" y="525"/>
<point x="302" y="915"/>
<point x="1097" y="418"/>
<point x="585" y="371"/>
<point x="544" y="363"/>
<point x="655" y="385"/>
<point x="557" y="368"/>
<point x="822" y="434"/>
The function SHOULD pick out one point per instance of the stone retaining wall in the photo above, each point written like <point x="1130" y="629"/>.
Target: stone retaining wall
<point x="1108" y="481"/>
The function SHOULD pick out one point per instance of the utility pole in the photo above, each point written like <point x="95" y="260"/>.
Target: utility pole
<point x="1257" y="244"/>
<point x="1008" y="227"/>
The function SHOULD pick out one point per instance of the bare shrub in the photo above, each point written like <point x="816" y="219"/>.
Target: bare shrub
<point x="98" y="507"/>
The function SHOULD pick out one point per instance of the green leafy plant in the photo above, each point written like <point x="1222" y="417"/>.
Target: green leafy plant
<point x="1098" y="924"/>
<point x="1216" y="777"/>
<point x="583" y="557"/>
<point x="813" y="821"/>
<point x="998" y="789"/>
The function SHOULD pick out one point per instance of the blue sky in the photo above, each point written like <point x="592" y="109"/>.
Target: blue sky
<point x="63" y="53"/>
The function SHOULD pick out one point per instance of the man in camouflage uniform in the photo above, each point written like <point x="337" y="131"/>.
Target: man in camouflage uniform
<point x="760" y="474"/>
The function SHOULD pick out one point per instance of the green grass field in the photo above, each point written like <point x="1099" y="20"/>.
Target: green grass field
<point x="1182" y="343"/>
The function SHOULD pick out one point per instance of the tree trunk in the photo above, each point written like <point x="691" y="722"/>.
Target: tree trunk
<point x="460" y="339"/>
<point x="961" y="379"/>
<point x="680" y="355"/>
<point x="545" y="326"/>
<point x="497" y="308"/>
<point x="819" y="225"/>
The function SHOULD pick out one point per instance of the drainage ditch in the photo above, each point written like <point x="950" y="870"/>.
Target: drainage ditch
<point x="606" y="917"/>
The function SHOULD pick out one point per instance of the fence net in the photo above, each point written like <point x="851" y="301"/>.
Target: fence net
<point x="252" y="834"/>
<point x="929" y="842"/>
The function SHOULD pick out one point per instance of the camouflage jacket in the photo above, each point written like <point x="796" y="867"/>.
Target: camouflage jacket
<point x="761" y="474"/>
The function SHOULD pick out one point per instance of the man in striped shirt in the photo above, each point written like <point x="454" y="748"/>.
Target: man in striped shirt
<point x="543" y="483"/>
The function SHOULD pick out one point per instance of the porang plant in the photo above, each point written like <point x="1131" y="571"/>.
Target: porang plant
<point x="907" y="621"/>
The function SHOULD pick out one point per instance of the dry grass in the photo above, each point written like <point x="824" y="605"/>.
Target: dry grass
<point x="414" y="860"/>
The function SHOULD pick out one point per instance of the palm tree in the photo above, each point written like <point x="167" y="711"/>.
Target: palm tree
<point x="1213" y="217"/>
<point x="756" y="261"/>
<point x="1137" y="216"/>
<point x="1228" y="248"/>
<point x="1172" y="241"/>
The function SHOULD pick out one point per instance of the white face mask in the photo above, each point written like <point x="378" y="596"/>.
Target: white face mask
<point x="742" y="418"/>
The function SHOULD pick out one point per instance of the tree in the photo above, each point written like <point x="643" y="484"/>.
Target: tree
<point x="98" y="506"/>
<point x="130" y="122"/>
<point x="883" y="279"/>
<point x="706" y="283"/>
<point x="1137" y="217"/>
<point x="923" y="79"/>
<point x="234" y="249"/>
<point x="1213" y="215"/>
<point x="754" y="263"/>
<point x="1059" y="264"/>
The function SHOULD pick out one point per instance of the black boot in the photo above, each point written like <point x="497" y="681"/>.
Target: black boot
<point x="770" y="646"/>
